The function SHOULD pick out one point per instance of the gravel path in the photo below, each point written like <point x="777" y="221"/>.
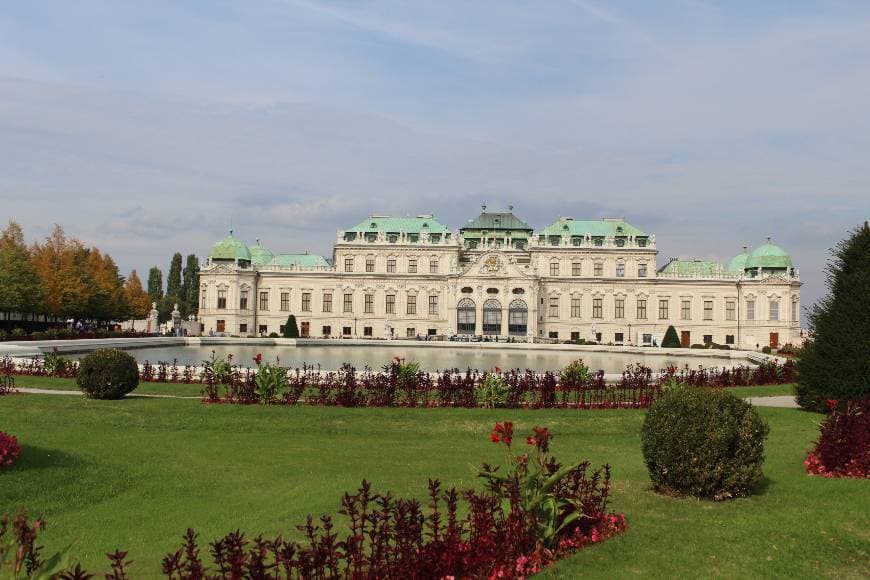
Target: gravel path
<point x="784" y="401"/>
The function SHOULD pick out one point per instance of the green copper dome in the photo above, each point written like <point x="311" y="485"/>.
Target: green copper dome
<point x="738" y="262"/>
<point x="260" y="255"/>
<point x="768" y="256"/>
<point x="230" y="248"/>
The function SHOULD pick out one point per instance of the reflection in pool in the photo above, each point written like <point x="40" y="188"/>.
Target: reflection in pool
<point x="431" y="358"/>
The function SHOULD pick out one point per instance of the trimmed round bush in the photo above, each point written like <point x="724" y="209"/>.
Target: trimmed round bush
<point x="107" y="373"/>
<point x="705" y="443"/>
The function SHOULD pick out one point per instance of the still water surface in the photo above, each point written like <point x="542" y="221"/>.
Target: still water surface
<point x="430" y="358"/>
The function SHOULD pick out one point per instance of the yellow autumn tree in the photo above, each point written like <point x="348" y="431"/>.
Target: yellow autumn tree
<point x="60" y="262"/>
<point x="137" y="299"/>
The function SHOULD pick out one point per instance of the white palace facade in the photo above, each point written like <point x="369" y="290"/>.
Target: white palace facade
<point x="402" y="277"/>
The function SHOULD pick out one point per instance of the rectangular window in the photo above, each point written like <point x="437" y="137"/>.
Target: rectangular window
<point x="345" y="330"/>
<point x="576" y="307"/>
<point x="264" y="301"/>
<point x="433" y="266"/>
<point x="730" y="310"/>
<point x="391" y="265"/>
<point x="619" y="308"/>
<point x="327" y="301"/>
<point x="433" y="304"/>
<point x="576" y="269"/>
<point x="794" y="311"/>
<point x="618" y="337"/>
<point x="203" y="298"/>
<point x="750" y="310"/>
<point x="306" y="302"/>
<point x="708" y="339"/>
<point x="553" y="334"/>
<point x="412" y="265"/>
<point x="285" y="301"/>
<point x="222" y="299"/>
<point x="599" y="269"/>
<point x="370" y="264"/>
<point x="708" y="310"/>
<point x="348" y="303"/>
<point x="598" y="308"/>
<point x="348" y="264"/>
<point x="554" y="268"/>
<point x="410" y="332"/>
<point x="367" y="331"/>
<point x="774" y="310"/>
<point x="263" y="329"/>
<point x="641" y="309"/>
<point x="575" y="335"/>
<point x="243" y="300"/>
<point x="369" y="304"/>
<point x="729" y="339"/>
<point x="663" y="309"/>
<point x="390" y="304"/>
<point x="243" y="328"/>
<point x="553" y="311"/>
<point x="620" y="270"/>
<point x="326" y="331"/>
<point x="412" y="304"/>
<point x="686" y="310"/>
<point x="641" y="270"/>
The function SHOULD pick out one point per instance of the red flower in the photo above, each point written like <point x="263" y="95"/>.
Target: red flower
<point x="494" y="437"/>
<point x="832" y="404"/>
<point x="497" y="369"/>
<point x="503" y="432"/>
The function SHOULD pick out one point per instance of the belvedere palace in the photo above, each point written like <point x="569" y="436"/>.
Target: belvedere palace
<point x="409" y="277"/>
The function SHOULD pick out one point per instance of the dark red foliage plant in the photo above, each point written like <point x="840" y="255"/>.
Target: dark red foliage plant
<point x="10" y="450"/>
<point x="843" y="448"/>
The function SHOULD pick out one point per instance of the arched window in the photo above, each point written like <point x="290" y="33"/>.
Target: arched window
<point x="492" y="317"/>
<point x="466" y="316"/>
<point x="518" y="318"/>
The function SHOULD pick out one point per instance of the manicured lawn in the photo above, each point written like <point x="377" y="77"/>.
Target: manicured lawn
<point x="134" y="474"/>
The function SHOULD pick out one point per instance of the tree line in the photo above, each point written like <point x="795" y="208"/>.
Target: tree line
<point x="61" y="278"/>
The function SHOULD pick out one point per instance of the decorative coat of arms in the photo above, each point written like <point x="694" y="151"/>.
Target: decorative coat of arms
<point x="492" y="264"/>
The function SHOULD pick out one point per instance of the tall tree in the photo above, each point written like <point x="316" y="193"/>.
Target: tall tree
<point x="835" y="364"/>
<point x="60" y="263"/>
<point x="109" y="300"/>
<point x="173" y="281"/>
<point x="137" y="298"/>
<point x="155" y="284"/>
<point x="20" y="287"/>
<point x="191" y="285"/>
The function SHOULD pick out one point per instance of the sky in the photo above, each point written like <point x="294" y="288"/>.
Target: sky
<point x="147" y="128"/>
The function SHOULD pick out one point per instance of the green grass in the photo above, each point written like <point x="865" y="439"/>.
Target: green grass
<point x="134" y="474"/>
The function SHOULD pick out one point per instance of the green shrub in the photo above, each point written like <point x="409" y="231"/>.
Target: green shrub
<point x="107" y="373"/>
<point x="492" y="392"/>
<point x="765" y="349"/>
<point x="671" y="340"/>
<point x="704" y="443"/>
<point x="274" y="335"/>
<point x="18" y="332"/>
<point x="835" y="365"/>
<point x="290" y="328"/>
<point x="701" y="346"/>
<point x="575" y="374"/>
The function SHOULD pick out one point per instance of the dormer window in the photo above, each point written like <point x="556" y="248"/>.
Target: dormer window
<point x="373" y="225"/>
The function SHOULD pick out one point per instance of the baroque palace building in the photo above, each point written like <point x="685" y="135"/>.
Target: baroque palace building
<point x="397" y="277"/>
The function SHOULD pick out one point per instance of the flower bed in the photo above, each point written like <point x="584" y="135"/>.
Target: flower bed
<point x="532" y="514"/>
<point x="843" y="448"/>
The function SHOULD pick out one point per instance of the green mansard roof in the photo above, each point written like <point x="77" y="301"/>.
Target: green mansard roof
<point x="605" y="227"/>
<point x="230" y="248"/>
<point x="260" y="255"/>
<point x="301" y="261"/>
<point x="738" y="262"/>
<point x="691" y="267"/>
<point x="407" y="225"/>
<point x="493" y="221"/>
<point x="768" y="256"/>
